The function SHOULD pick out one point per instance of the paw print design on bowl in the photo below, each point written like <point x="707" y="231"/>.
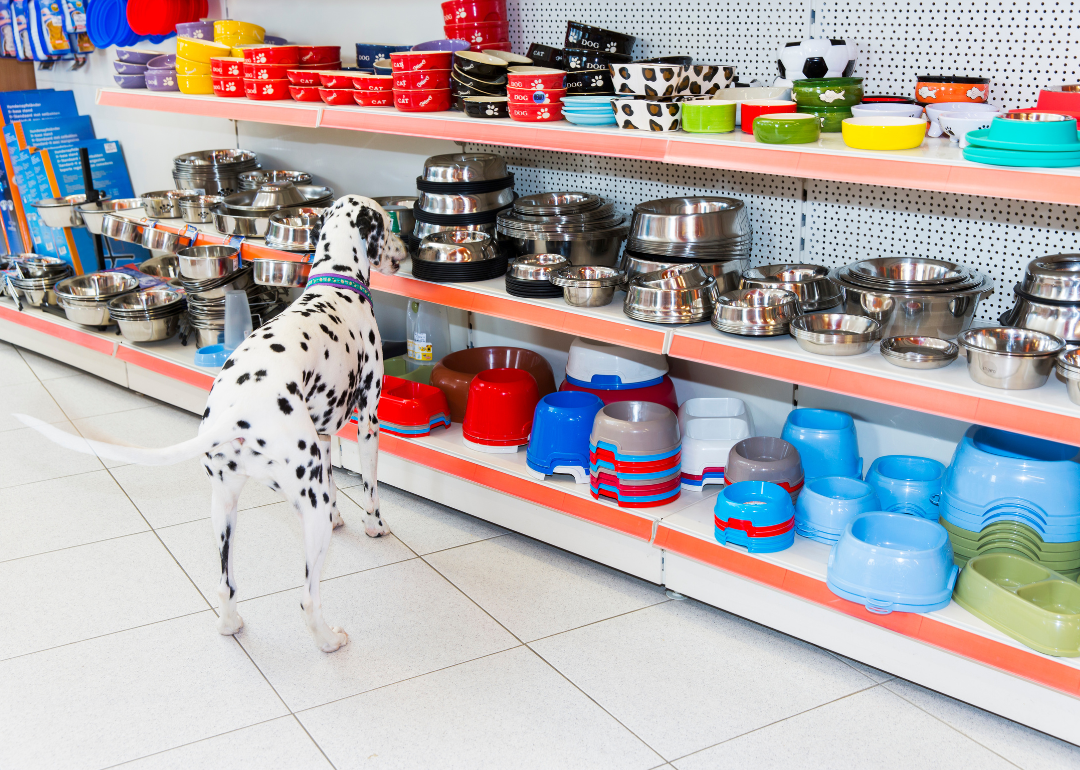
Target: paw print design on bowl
<point x="543" y="114"/>
<point x="230" y="86"/>
<point x="597" y="81"/>
<point x="268" y="89"/>
<point x="490" y="110"/>
<point x="169" y="81"/>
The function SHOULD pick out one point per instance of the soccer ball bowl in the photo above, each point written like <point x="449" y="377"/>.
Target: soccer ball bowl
<point x="820" y="58"/>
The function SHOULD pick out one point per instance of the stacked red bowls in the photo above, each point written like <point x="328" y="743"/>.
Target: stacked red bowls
<point x="227" y="76"/>
<point x="535" y="93"/>
<point x="377" y="90"/>
<point x="483" y="23"/>
<point x="266" y="71"/>
<point x="336" y="86"/>
<point x="407" y="67"/>
<point x="499" y="412"/>
<point x="304" y="84"/>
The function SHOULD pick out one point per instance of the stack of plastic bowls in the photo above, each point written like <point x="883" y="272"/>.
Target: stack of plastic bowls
<point x="890" y="562"/>
<point x="634" y="454"/>
<point x="588" y="110"/>
<point x="614" y="374"/>
<point x="559" y="442"/>
<point x="710" y="428"/>
<point x="756" y="515"/>
<point x="907" y="484"/>
<point x="827" y="504"/>
<point x="1007" y="492"/>
<point x="499" y="412"/>
<point x="411" y="409"/>
<point x="826" y="441"/>
<point x="766" y="458"/>
<point x="1026" y="139"/>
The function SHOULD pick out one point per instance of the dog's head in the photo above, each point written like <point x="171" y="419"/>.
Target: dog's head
<point x="357" y="235"/>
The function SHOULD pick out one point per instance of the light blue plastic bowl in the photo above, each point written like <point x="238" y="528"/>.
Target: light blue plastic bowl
<point x="826" y="441"/>
<point x="828" y="503"/>
<point x="907" y="484"/>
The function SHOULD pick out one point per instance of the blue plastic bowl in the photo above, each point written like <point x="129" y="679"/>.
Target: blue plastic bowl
<point x="828" y="538"/>
<point x="562" y="423"/>
<point x="829" y="503"/>
<point x="907" y="484"/>
<point x="826" y="442"/>
<point x="892" y="562"/>
<point x="761" y="503"/>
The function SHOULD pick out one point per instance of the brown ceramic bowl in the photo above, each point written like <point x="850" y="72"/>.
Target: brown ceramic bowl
<point x="454" y="373"/>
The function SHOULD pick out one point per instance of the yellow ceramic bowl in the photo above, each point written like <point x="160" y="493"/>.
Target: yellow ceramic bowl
<point x="238" y="50"/>
<point x="195" y="84"/>
<point x="199" y="50"/>
<point x="884" y="133"/>
<point x="235" y="40"/>
<point x="231" y="27"/>
<point x="188" y="67"/>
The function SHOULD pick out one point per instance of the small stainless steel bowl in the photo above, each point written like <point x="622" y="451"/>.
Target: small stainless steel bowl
<point x="295" y="229"/>
<point x="206" y="263"/>
<point x="149" y="329"/>
<point x="37" y="266"/>
<point x="536" y="267"/>
<point x="557" y="203"/>
<point x="400" y="209"/>
<point x="919" y="352"/>
<point x="167" y="266"/>
<point x="85" y="298"/>
<point x="281" y="272"/>
<point x="228" y="223"/>
<point x="1055" y="278"/>
<point x="835" y="334"/>
<point x="465" y="203"/>
<point x="154" y="302"/>
<point x="85" y="313"/>
<point x="160" y="240"/>
<point x="1039" y="117"/>
<point x="62" y="212"/>
<point x="1010" y="359"/>
<point x="121" y="228"/>
<point x="164" y="204"/>
<point x="422" y="230"/>
<point x="252" y="180"/>
<point x="682" y="294"/>
<point x="92" y="214"/>
<point x="457" y="246"/>
<point x="199" y="209"/>
<point x="810" y="283"/>
<point x="464" y="167"/>
<point x="588" y="285"/>
<point x="755" y="312"/>
<point x="1068" y="366"/>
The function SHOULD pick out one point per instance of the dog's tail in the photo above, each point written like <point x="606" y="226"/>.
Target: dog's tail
<point x="129" y="454"/>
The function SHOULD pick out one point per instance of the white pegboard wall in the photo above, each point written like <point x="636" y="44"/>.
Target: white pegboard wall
<point x="1022" y="45"/>
<point x="773" y="201"/>
<point x="745" y="33"/>
<point x="848" y="222"/>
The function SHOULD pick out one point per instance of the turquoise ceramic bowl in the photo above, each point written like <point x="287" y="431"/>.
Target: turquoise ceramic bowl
<point x="1034" y="128"/>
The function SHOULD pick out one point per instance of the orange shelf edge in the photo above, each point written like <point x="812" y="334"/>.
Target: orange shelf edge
<point x="1028" y="665"/>
<point x="228" y="109"/>
<point x="59" y="331"/>
<point x="165" y="368"/>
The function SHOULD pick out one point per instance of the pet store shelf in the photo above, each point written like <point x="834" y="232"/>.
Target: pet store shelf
<point x="936" y="166"/>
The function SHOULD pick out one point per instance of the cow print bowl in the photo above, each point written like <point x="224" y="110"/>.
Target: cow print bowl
<point x="704" y="79"/>
<point x="654" y="81"/>
<point x="646" y="114"/>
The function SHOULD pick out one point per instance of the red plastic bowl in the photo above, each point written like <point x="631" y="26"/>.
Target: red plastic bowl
<point x="229" y="88"/>
<point x="329" y="66"/>
<point x="479" y="32"/>
<point x="226" y="67"/>
<point x="266" y="90"/>
<point x="536" y="113"/>
<point x="464" y="11"/>
<point x="422" y="101"/>
<point x="367" y="82"/>
<point x="319" y="54"/>
<point x="299" y="77"/>
<point x="337" y="95"/>
<point x="411" y="408"/>
<point x="532" y="96"/>
<point x="336" y="79"/>
<point x="305" y="93"/>
<point x="663" y="394"/>
<point x="422" y="79"/>
<point x="536" y="79"/>
<point x="414" y="61"/>
<point x="266" y="71"/>
<point x="273" y="54"/>
<point x="374" y="98"/>
<point x="500" y="408"/>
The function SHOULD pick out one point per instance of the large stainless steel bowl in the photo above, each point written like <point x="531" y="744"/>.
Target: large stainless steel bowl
<point x="160" y="240"/>
<point x="295" y="229"/>
<point x="898" y="272"/>
<point x="810" y="283"/>
<point x="38" y="266"/>
<point x="251" y="180"/>
<point x="423" y="229"/>
<point x="281" y="272"/>
<point x="274" y="196"/>
<point x="208" y="263"/>
<point x="148" y="316"/>
<point x="1010" y="359"/>
<point x="676" y="295"/>
<point x="228" y="223"/>
<point x="755" y="312"/>
<point x="457" y="247"/>
<point x="1055" y="278"/>
<point x="166" y="266"/>
<point x="121" y="228"/>
<point x="93" y="214"/>
<point x="465" y="203"/>
<point x="464" y="167"/>
<point x="557" y="204"/>
<point x="726" y="272"/>
<point x="835" y="334"/>
<point x="1058" y="318"/>
<point x="62" y="212"/>
<point x="85" y="298"/>
<point x="669" y="225"/>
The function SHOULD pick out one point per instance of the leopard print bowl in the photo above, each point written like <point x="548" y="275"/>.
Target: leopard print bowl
<point x="647" y="115"/>
<point x="654" y="81"/>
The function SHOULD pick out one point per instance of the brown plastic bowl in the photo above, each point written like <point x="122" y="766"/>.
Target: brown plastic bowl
<point x="453" y="374"/>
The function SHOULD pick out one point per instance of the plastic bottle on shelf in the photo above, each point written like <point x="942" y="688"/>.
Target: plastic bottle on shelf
<point x="427" y="334"/>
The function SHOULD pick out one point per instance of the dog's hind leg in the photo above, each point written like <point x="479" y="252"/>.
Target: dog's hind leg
<point x="225" y="493"/>
<point x="335" y="519"/>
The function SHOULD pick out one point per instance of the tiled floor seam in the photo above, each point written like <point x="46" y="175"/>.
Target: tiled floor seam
<point x="597" y="622"/>
<point x="72" y="547"/>
<point x="54" y="478"/>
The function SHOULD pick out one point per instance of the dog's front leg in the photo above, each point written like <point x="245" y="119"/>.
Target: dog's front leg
<point x="368" y="438"/>
<point x="225" y="492"/>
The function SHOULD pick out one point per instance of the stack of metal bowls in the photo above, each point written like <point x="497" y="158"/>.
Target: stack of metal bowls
<point x="810" y="283"/>
<point x="1068" y="366"/>
<point x="248" y="213"/>
<point x="681" y="294"/>
<point x="148" y="315"/>
<point x="461" y="191"/>
<point x="85" y="298"/>
<point x="213" y="171"/>
<point x="528" y="276"/>
<point x="1048" y="299"/>
<point x="35" y="277"/>
<point x="252" y="180"/>
<point x="582" y="227"/>
<point x="164" y="204"/>
<point x="295" y="229"/>
<point x="458" y="256"/>
<point x="755" y="312"/>
<point x="712" y="232"/>
<point x="400" y="208"/>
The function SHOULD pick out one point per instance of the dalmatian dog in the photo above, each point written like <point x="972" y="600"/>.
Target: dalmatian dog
<point x="290" y="386"/>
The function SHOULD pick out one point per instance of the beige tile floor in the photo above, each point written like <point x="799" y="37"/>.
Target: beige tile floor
<point x="470" y="646"/>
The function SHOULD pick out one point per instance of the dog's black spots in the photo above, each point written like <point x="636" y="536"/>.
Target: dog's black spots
<point x="367" y="437"/>
<point x="365" y="486"/>
<point x="368" y="379"/>
<point x="377" y="513"/>
<point x="376" y="355"/>
<point x="274" y="485"/>
<point x="260" y="442"/>
<point x="284" y="405"/>
<point x="326" y="355"/>
<point x="328" y="333"/>
<point x="371" y="336"/>
<point x="293" y="388"/>
<point x="340" y="268"/>
<point x="320" y="387"/>
<point x="228" y="364"/>
<point x="243" y="378"/>
<point x="316" y="473"/>
<point x="301" y="444"/>
<point x="303" y="346"/>
<point x="268" y="336"/>
<point x="221" y="476"/>
<point x="299" y="472"/>
<point x="232" y="592"/>
<point x="232" y="465"/>
<point x="243" y="424"/>
<point x="259" y="375"/>
<point x="326" y="499"/>
<point x="347" y="348"/>
<point x="345" y="297"/>
<point x="206" y="413"/>
<point x="209" y="472"/>
<point x="306" y="573"/>
<point x="315" y="451"/>
<point x="311" y="497"/>
<point x="277" y="347"/>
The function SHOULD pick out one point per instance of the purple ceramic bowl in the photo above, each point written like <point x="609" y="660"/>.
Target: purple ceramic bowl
<point x="200" y="30"/>
<point x="161" y="80"/>
<point x="127" y="68"/>
<point x="167" y="62"/>
<point x="271" y="40"/>
<point x="442" y="45"/>
<point x="130" y="81"/>
<point x="137" y="55"/>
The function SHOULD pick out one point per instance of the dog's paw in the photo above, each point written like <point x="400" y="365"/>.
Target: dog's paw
<point x="227" y="626"/>
<point x="375" y="527"/>
<point x="337" y="522"/>
<point x="334" y="641"/>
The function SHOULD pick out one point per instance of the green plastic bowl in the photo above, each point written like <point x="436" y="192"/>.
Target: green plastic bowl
<point x="397" y="367"/>
<point x="1035" y="128"/>
<point x="830" y="118"/>
<point x="787" y="128"/>
<point x="827" y="92"/>
<point x="708" y="117"/>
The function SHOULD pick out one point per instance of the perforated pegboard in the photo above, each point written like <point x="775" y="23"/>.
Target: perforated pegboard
<point x="745" y="33"/>
<point x="1023" y="45"/>
<point x="773" y="201"/>
<point x="847" y="222"/>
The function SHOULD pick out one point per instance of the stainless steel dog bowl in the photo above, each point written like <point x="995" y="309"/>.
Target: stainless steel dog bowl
<point x="228" y="223"/>
<point x="1010" y="359"/>
<point x="465" y="203"/>
<point x="295" y="229"/>
<point x="160" y="240"/>
<point x="1060" y="319"/>
<point x="681" y="294"/>
<point x="36" y="292"/>
<point x="167" y="266"/>
<point x="587" y="285"/>
<point x="37" y="266"/>
<point x="252" y="180"/>
<point x="705" y="228"/>
<point x="456" y="246"/>
<point x="464" y="167"/>
<point x="835" y="334"/>
<point x="93" y="214"/>
<point x="810" y="283"/>
<point x="149" y="330"/>
<point x="536" y="267"/>
<point x="274" y="196"/>
<point x="726" y="272"/>
<point x="164" y="204"/>
<point x="84" y="298"/>
<point x="581" y="243"/>
<point x="557" y="204"/>
<point x="207" y="263"/>
<point x="901" y="272"/>
<point x="199" y="209"/>
<point x="401" y="209"/>
<point x="149" y="315"/>
<point x="755" y="312"/>
<point x="121" y="228"/>
<point x="62" y="212"/>
<point x="280" y="272"/>
<point x="423" y="229"/>
<point x="919" y="352"/>
<point x="1068" y="366"/>
<point x="1055" y="278"/>
<point x="213" y="171"/>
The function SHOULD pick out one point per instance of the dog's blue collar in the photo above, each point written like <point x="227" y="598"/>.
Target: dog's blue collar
<point x="340" y="281"/>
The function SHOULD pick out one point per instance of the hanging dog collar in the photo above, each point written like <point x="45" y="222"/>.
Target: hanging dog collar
<point x="342" y="282"/>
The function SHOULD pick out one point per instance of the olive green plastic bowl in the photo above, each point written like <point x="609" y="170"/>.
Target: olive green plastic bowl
<point x="827" y="92"/>
<point x="708" y="117"/>
<point x="396" y="367"/>
<point x="787" y="128"/>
